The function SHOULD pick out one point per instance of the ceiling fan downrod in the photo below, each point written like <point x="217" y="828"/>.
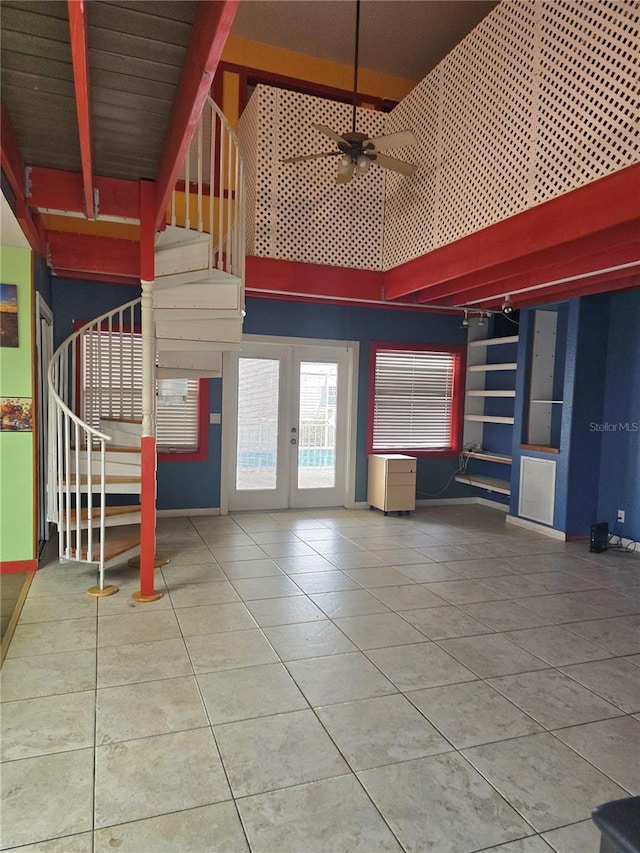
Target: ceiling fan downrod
<point x="355" y="68"/>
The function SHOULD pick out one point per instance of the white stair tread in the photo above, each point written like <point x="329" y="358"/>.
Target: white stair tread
<point x="174" y="235"/>
<point x="177" y="345"/>
<point x="193" y="313"/>
<point x="188" y="373"/>
<point x="229" y="329"/>
<point x="191" y="359"/>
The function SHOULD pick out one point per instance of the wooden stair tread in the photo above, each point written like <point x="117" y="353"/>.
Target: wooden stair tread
<point x="109" y="512"/>
<point x="112" y="418"/>
<point x="110" y="448"/>
<point x="114" y="479"/>
<point x="112" y="548"/>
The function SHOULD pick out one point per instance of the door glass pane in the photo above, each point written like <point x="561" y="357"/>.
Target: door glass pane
<point x="317" y="420"/>
<point x="257" y="454"/>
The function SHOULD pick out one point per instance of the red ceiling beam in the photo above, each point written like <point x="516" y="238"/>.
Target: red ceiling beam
<point x="57" y="190"/>
<point x="605" y="283"/>
<point x="209" y="33"/>
<point x="573" y="266"/>
<point x="106" y="256"/>
<point x="95" y="276"/>
<point x="539" y="265"/>
<point x="13" y="167"/>
<point x="582" y="213"/>
<point x="80" y="57"/>
<point x="299" y="279"/>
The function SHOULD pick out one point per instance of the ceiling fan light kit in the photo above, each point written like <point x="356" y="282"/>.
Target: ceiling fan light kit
<point x="356" y="151"/>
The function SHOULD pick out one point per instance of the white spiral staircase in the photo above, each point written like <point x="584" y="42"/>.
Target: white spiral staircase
<point x="101" y="389"/>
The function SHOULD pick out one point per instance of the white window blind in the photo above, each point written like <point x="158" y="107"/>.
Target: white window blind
<point x="112" y="383"/>
<point x="413" y="400"/>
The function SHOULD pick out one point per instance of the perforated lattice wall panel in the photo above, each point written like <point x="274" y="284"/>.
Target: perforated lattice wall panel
<point x="299" y="212"/>
<point x="539" y="99"/>
<point x="589" y="96"/>
<point x="248" y="140"/>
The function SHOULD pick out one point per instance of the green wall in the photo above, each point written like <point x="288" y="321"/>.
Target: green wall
<point x="17" y="475"/>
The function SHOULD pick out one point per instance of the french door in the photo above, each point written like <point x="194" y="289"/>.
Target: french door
<point x="288" y="424"/>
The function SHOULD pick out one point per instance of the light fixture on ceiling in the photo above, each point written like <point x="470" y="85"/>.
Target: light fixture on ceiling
<point x="507" y="305"/>
<point x="345" y="165"/>
<point x="355" y="150"/>
<point x="466" y="321"/>
<point x="362" y="164"/>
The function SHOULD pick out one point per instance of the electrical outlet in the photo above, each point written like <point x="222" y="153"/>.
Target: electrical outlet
<point x="620" y="518"/>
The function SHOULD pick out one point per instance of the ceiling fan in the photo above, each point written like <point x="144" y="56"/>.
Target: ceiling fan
<point x="356" y="150"/>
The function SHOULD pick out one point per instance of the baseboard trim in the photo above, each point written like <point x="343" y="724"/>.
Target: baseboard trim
<point x="551" y="532"/>
<point x="177" y="513"/>
<point x="9" y="567"/>
<point x="445" y="502"/>
<point x="15" y="616"/>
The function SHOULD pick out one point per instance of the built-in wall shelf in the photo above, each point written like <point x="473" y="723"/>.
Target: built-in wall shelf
<point x="489" y="419"/>
<point x="500" y="458"/>
<point x="491" y="342"/>
<point x="540" y="448"/>
<point x="483" y="368"/>
<point x="545" y="369"/>
<point x="489" y="409"/>
<point x="485" y="393"/>
<point x="491" y="484"/>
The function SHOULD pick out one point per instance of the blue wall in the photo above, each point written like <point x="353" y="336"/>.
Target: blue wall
<point x="620" y="436"/>
<point x="598" y="466"/>
<point x="73" y="299"/>
<point x="598" y="463"/>
<point x="338" y="322"/>
<point x="184" y="485"/>
<point x="583" y="406"/>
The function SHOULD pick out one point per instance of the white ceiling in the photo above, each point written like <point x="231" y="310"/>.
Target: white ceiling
<point x="405" y="38"/>
<point x="10" y="232"/>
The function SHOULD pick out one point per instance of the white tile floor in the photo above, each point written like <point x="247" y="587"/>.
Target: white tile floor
<point x="335" y="681"/>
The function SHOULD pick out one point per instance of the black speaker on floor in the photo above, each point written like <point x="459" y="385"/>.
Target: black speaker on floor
<point x="599" y="537"/>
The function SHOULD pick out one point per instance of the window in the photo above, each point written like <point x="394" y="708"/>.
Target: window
<point x="180" y="403"/>
<point x="415" y="399"/>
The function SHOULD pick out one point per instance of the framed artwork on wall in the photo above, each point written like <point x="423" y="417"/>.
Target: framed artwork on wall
<point x="16" y="414"/>
<point x="8" y="315"/>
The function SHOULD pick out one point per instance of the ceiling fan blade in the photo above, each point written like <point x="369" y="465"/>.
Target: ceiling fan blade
<point x="310" y="157"/>
<point x="395" y="165"/>
<point x="345" y="177"/>
<point x="324" y="128"/>
<point x="403" y="139"/>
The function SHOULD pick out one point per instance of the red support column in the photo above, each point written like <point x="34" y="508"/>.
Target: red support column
<point x="148" y="559"/>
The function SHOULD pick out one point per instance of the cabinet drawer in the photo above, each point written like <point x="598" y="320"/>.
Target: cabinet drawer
<point x="400" y="498"/>
<point x="401" y="478"/>
<point x="397" y="465"/>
